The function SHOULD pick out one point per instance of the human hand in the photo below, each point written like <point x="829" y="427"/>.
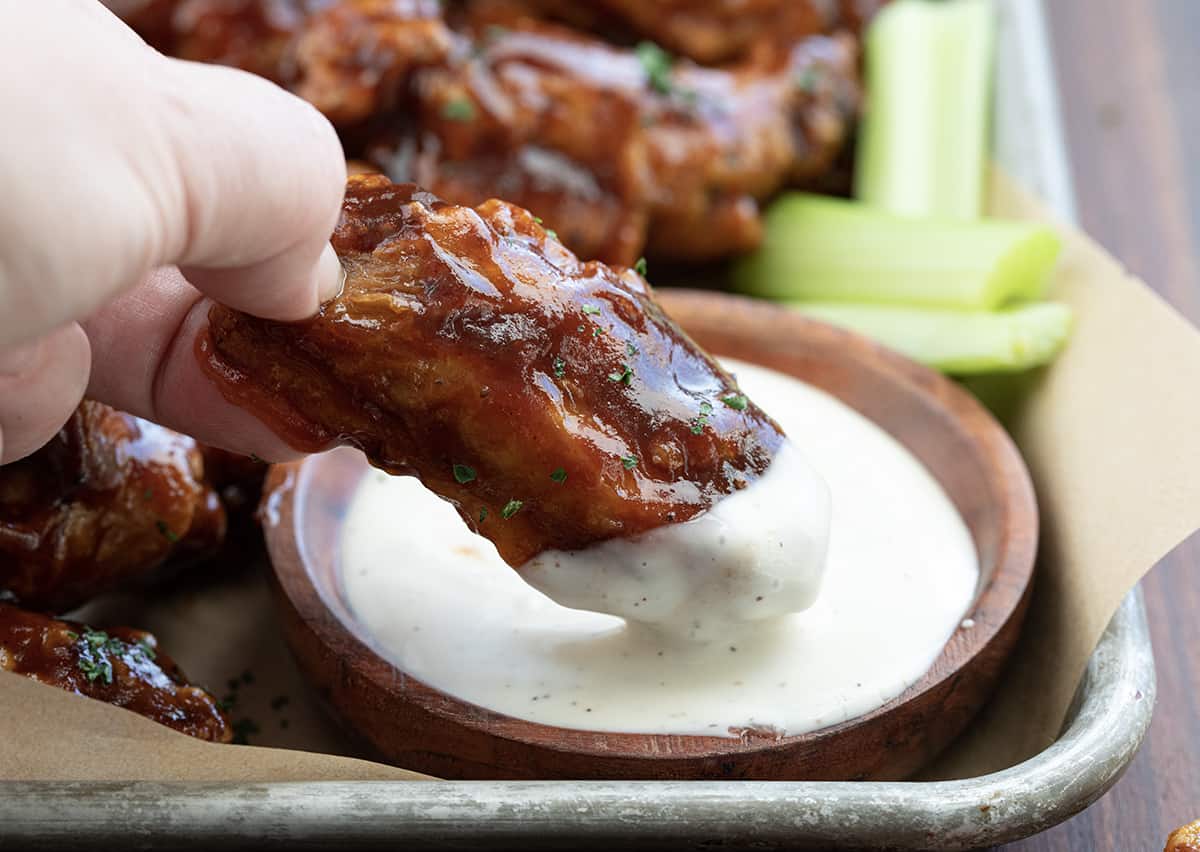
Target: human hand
<point x="116" y="166"/>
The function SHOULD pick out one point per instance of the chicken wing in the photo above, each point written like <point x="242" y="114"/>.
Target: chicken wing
<point x="109" y="499"/>
<point x="550" y="400"/>
<point x="708" y="31"/>
<point x="254" y="35"/>
<point x="120" y="666"/>
<point x="1185" y="839"/>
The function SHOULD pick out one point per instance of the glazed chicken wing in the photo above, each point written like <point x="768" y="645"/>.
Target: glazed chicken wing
<point x="254" y="35"/>
<point x="549" y="399"/>
<point x="120" y="666"/>
<point x="709" y="31"/>
<point x="1185" y="839"/>
<point x="110" y="498"/>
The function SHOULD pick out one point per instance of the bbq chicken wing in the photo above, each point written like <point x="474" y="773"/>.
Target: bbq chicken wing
<point x="255" y="35"/>
<point x="120" y="666"/>
<point x="550" y="400"/>
<point x="1185" y="839"/>
<point x="109" y="499"/>
<point x="709" y="31"/>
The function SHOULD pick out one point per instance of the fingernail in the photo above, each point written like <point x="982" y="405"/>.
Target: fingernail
<point x="17" y="360"/>
<point x="330" y="275"/>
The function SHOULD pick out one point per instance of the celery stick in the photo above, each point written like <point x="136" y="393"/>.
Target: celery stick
<point x="959" y="342"/>
<point x="924" y="136"/>
<point x="826" y="249"/>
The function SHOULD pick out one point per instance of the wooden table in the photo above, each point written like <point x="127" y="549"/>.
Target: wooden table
<point x="1129" y="79"/>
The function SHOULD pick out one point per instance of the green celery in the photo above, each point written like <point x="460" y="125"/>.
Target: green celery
<point x="826" y="249"/>
<point x="958" y="342"/>
<point x="924" y="137"/>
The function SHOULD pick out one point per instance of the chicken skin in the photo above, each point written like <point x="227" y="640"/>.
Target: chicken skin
<point x="109" y="499"/>
<point x="550" y="400"/>
<point x="119" y="666"/>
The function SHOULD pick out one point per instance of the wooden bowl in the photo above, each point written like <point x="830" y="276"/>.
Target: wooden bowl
<point x="421" y="728"/>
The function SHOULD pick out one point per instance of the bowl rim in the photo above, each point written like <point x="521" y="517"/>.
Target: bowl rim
<point x="1007" y="600"/>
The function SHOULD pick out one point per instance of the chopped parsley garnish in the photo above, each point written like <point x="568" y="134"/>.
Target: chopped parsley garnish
<point x="806" y="80"/>
<point x="640" y="267"/>
<point x="483" y="514"/>
<point x="656" y="63"/>
<point x="95" y="670"/>
<point x="147" y="649"/>
<point x="459" y="109"/>
<point x="631" y="349"/>
<point x="463" y="474"/>
<point x="511" y="508"/>
<point x="736" y="401"/>
<point x="167" y="533"/>
<point x="551" y="233"/>
<point x="537" y="219"/>
<point x="625" y="376"/>
<point x="559" y="475"/>
<point x="700" y="422"/>
<point x="591" y="309"/>
<point x="148" y="494"/>
<point x="629" y="462"/>
<point x="560" y="368"/>
<point x="254" y="458"/>
<point x="95" y="638"/>
<point x="94" y="659"/>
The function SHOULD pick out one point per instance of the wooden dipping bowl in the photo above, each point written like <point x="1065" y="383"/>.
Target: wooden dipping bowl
<point x="421" y="728"/>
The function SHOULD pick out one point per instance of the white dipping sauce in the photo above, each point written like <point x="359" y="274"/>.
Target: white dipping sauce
<point x="757" y="554"/>
<point x="900" y="572"/>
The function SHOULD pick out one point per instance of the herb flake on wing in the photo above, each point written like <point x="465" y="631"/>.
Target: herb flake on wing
<point x="463" y="474"/>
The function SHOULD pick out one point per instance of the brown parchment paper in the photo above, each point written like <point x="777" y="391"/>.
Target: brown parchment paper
<point x="1111" y="433"/>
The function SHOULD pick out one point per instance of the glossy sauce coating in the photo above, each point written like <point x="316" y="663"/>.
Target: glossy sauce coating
<point x="109" y="499"/>
<point x="120" y="666"/>
<point x="574" y="409"/>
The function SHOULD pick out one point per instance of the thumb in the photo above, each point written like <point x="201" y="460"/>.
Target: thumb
<point x="259" y="181"/>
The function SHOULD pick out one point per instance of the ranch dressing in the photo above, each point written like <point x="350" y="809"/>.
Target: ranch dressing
<point x="899" y="574"/>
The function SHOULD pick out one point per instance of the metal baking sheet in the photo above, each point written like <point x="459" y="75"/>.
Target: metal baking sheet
<point x="1105" y="727"/>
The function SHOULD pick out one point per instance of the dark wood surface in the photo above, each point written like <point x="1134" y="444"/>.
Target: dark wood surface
<point x="421" y="728"/>
<point x="1129" y="81"/>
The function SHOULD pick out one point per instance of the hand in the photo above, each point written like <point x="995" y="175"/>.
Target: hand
<point x="116" y="165"/>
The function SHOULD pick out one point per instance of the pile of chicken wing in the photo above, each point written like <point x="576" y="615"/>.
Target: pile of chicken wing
<point x="625" y="144"/>
<point x="107" y="503"/>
